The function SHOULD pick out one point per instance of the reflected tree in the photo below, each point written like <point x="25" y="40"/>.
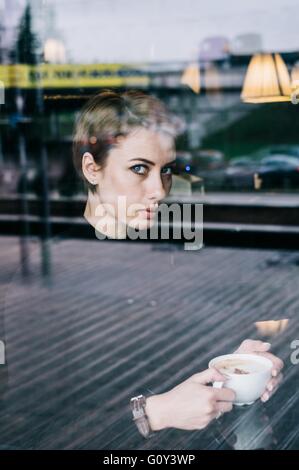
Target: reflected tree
<point x="27" y="43"/>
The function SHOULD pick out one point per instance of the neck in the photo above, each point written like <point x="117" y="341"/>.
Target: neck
<point x="97" y="216"/>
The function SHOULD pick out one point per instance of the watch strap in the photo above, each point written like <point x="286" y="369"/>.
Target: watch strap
<point x="140" y="418"/>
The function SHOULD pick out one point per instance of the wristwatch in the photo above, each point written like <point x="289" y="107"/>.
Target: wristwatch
<point x="139" y="415"/>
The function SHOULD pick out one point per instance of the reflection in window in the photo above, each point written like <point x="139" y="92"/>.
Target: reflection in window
<point x="49" y="69"/>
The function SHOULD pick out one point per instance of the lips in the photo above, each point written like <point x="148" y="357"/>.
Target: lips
<point x="149" y="212"/>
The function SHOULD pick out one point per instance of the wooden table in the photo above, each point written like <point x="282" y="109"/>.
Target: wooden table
<point x="117" y="318"/>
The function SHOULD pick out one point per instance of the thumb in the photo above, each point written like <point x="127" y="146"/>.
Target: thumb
<point x="208" y="376"/>
<point x="250" y="346"/>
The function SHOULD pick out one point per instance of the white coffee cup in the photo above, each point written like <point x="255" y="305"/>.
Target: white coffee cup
<point x="249" y="386"/>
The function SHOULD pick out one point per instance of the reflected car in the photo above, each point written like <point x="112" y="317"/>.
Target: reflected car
<point x="209" y="165"/>
<point x="279" y="171"/>
<point x="183" y="163"/>
<point x="239" y="175"/>
<point x="291" y="150"/>
<point x="208" y="159"/>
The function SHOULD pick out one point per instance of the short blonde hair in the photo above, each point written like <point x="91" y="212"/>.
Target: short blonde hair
<point x="108" y="115"/>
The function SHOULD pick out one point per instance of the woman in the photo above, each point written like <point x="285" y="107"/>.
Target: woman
<point x="124" y="151"/>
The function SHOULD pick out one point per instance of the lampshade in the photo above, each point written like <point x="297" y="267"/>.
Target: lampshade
<point x="267" y="80"/>
<point x="271" y="327"/>
<point x="191" y="77"/>
<point x="295" y="84"/>
<point x="295" y="73"/>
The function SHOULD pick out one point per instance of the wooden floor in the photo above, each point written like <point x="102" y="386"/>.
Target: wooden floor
<point x="115" y="319"/>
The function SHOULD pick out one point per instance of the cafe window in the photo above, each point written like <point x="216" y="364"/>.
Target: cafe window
<point x="233" y="90"/>
<point x="187" y="110"/>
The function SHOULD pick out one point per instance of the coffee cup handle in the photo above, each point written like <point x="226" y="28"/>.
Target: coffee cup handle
<point x="218" y="384"/>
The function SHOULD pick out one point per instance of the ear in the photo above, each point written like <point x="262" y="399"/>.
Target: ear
<point x="90" y="168"/>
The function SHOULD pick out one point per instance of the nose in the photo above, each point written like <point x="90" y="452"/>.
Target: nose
<point x="156" y="190"/>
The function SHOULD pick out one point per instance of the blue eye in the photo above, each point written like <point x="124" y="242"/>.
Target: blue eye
<point x="166" y="170"/>
<point x="139" y="169"/>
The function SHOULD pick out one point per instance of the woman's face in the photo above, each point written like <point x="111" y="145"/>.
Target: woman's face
<point x="138" y="171"/>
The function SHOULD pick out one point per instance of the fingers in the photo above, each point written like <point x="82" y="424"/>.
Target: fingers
<point x="208" y="376"/>
<point x="272" y="386"/>
<point x="223" y="407"/>
<point x="263" y="347"/>
<point x="276" y="361"/>
<point x="224" y="394"/>
<point x="251" y="346"/>
<point x="215" y="409"/>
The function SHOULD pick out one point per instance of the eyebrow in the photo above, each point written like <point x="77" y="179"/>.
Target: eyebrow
<point x="149" y="161"/>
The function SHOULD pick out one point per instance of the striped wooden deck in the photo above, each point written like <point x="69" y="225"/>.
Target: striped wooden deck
<point x="115" y="319"/>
